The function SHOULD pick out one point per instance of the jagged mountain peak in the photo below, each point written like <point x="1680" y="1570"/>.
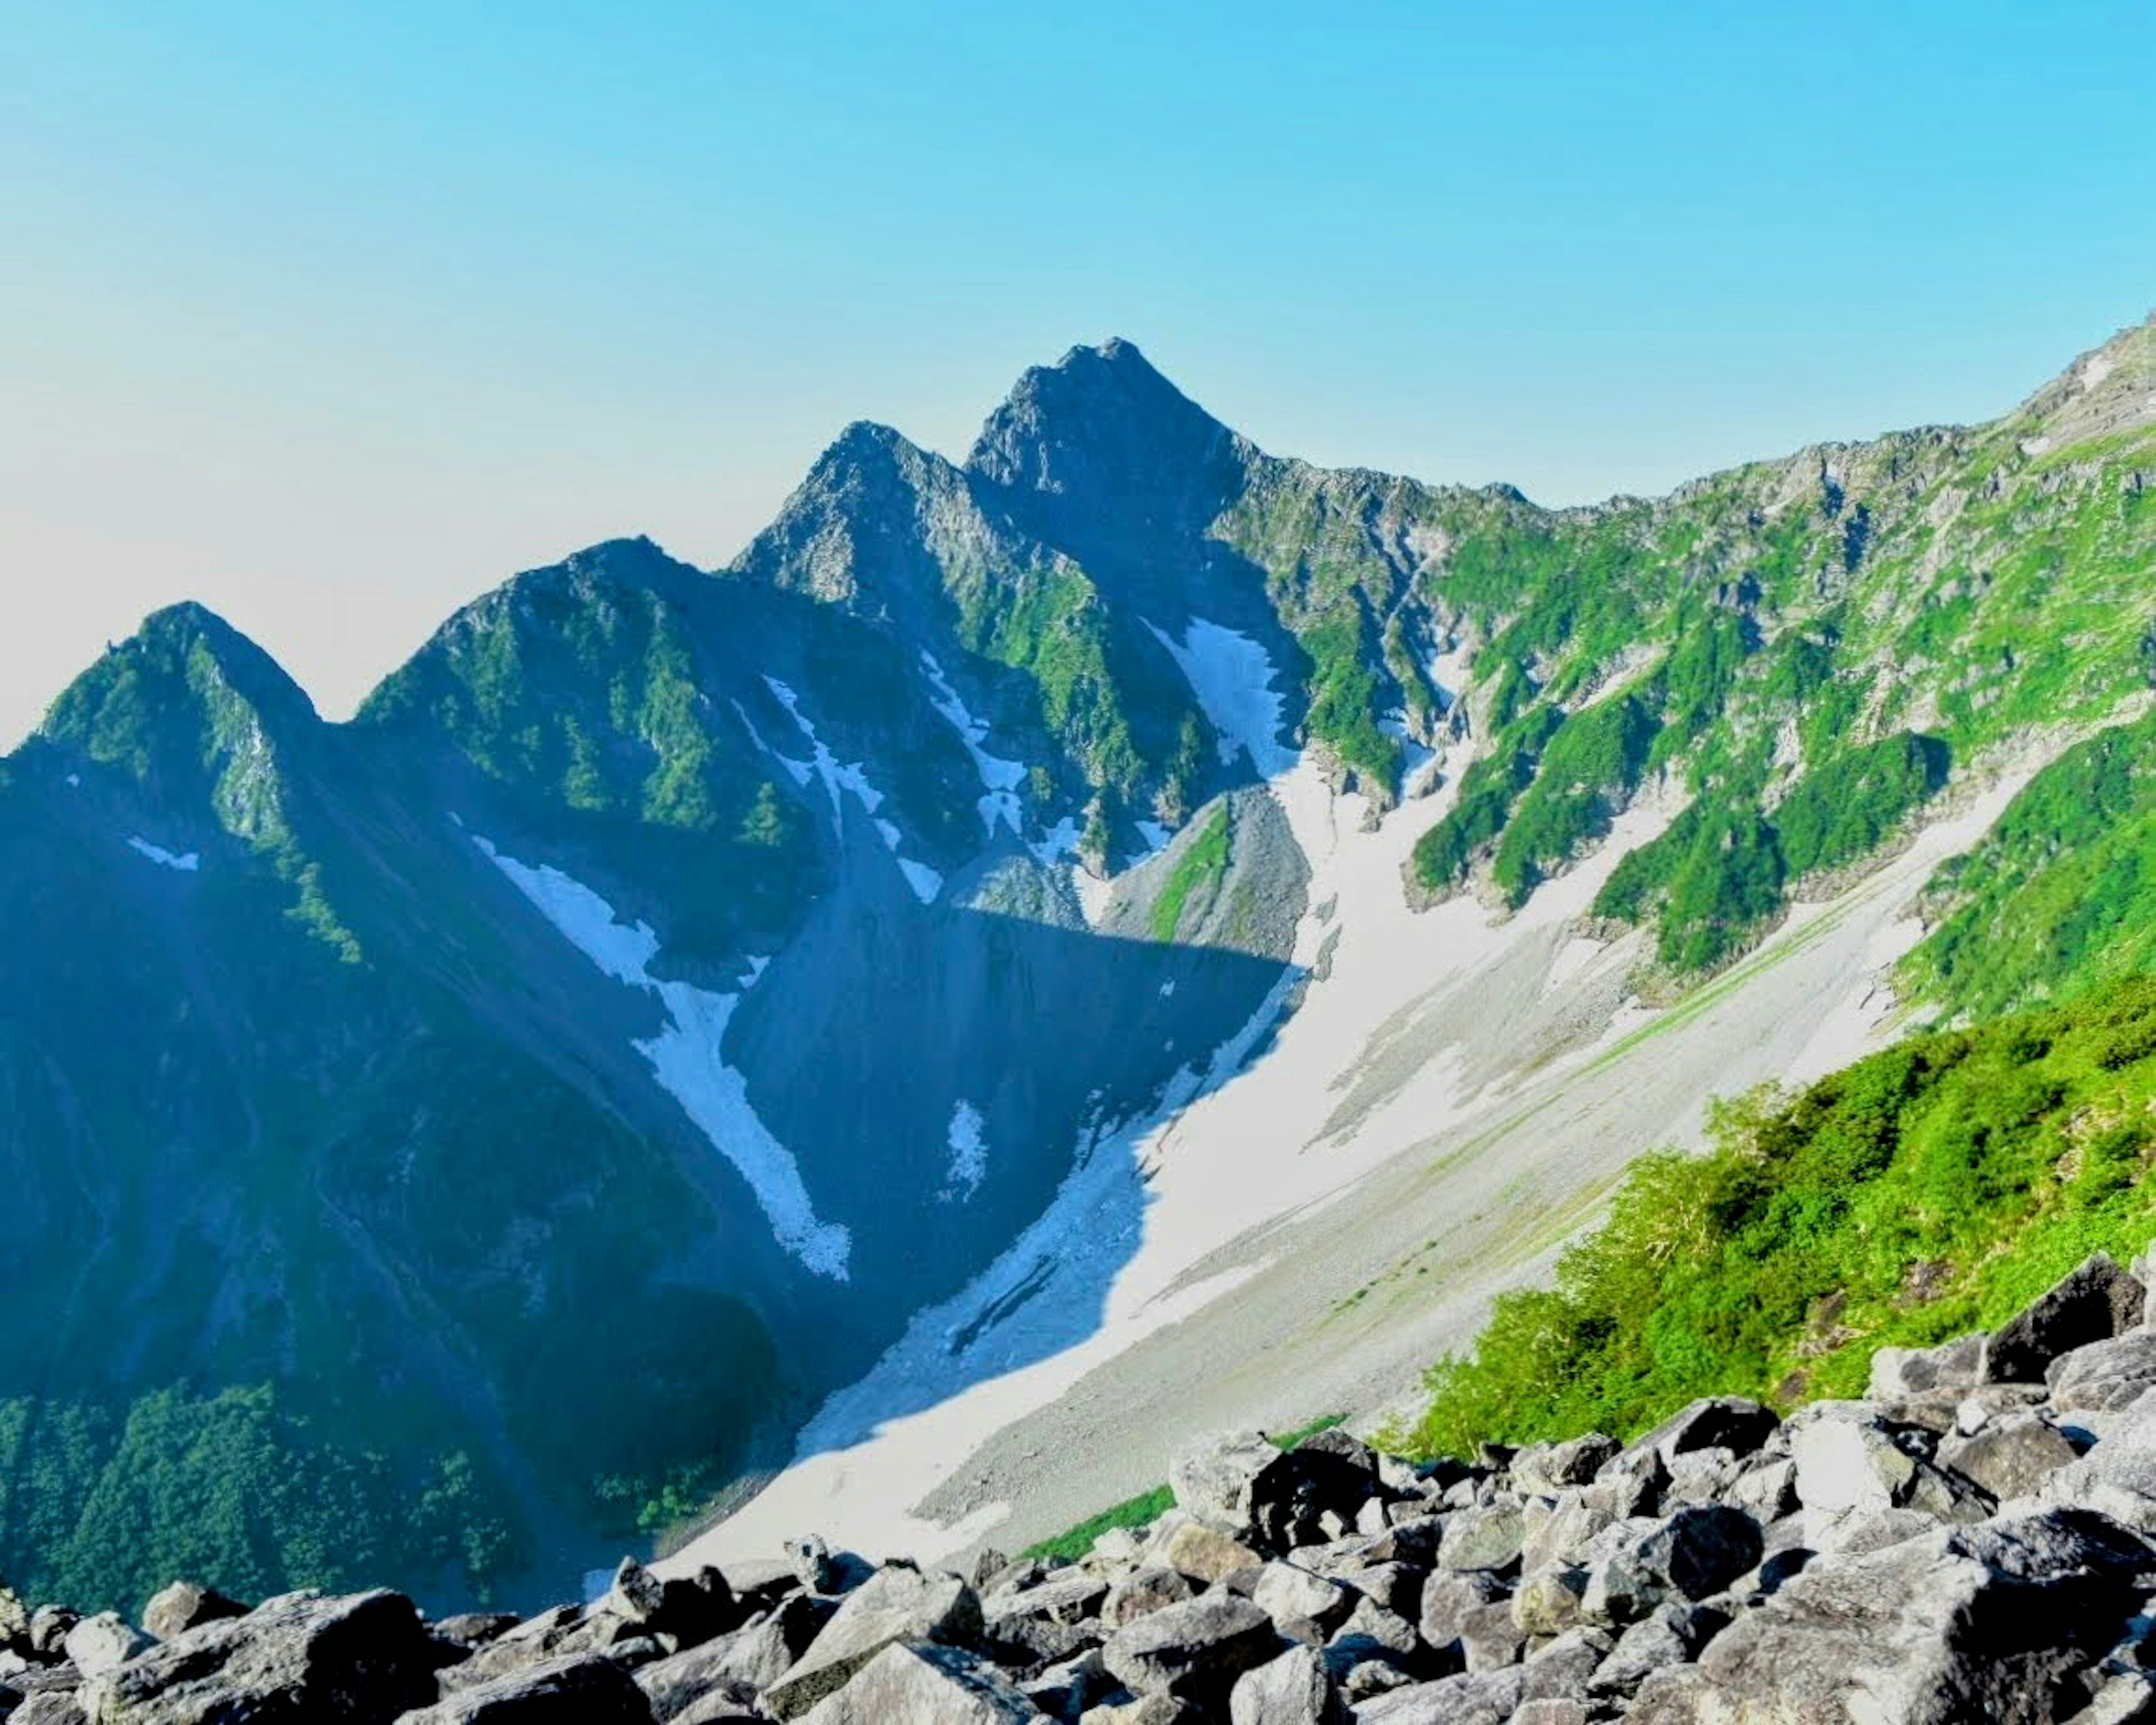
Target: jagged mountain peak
<point x="1102" y="428"/>
<point x="2110" y="389"/>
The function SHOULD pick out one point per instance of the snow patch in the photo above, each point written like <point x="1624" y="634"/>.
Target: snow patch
<point x="1000" y="778"/>
<point x="186" y="864"/>
<point x="1156" y="837"/>
<point x="74" y="781"/>
<point x="924" y="880"/>
<point x="686" y="1057"/>
<point x="969" y="1153"/>
<point x="1232" y="676"/>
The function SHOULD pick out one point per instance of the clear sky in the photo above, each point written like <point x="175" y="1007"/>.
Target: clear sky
<point x="333" y="315"/>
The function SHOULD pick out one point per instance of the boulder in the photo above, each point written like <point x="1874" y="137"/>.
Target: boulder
<point x="2097" y="1301"/>
<point x="1668" y="1635"/>
<point x="1328" y="1479"/>
<point x="1986" y="1622"/>
<point x="1370" y="1631"/>
<point x="1473" y="1698"/>
<point x="1849" y="1458"/>
<point x="1565" y="1667"/>
<point x="186" y="1605"/>
<point x="1694" y="1553"/>
<point x="2102" y="1376"/>
<point x="1297" y="1688"/>
<point x="764" y="1652"/>
<point x="99" y="1644"/>
<point x="1212" y="1482"/>
<point x="1068" y="1687"/>
<point x="359" y="1656"/>
<point x="585" y="1689"/>
<point x="1548" y="1600"/>
<point x="468" y="1629"/>
<point x="1142" y="1591"/>
<point x="1303" y="1607"/>
<point x="1452" y="1607"/>
<point x="1544" y="1469"/>
<point x="47" y="1630"/>
<point x="917" y="1683"/>
<point x="676" y="1686"/>
<point x="2010" y="1457"/>
<point x="1482" y="1539"/>
<point x="1899" y="1373"/>
<point x="1718" y="1422"/>
<point x="1195" y="1651"/>
<point x="894" y="1604"/>
<point x="1204" y="1555"/>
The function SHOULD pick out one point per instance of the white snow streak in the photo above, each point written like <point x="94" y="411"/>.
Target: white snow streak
<point x="184" y="865"/>
<point x="839" y="777"/>
<point x="1232" y="676"/>
<point x="969" y="1153"/>
<point x="685" y="1056"/>
<point x="999" y="778"/>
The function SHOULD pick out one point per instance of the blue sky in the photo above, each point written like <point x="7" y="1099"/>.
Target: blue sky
<point x="332" y="315"/>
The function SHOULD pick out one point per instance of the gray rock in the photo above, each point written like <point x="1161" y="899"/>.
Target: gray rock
<point x="1143" y="1592"/>
<point x="49" y="1707"/>
<point x="1473" y="1698"/>
<point x="676" y="1685"/>
<point x="1451" y="1605"/>
<point x="894" y="1604"/>
<point x="1718" y="1422"/>
<point x="1195" y="1651"/>
<point x="2097" y="1302"/>
<point x="1547" y="1468"/>
<point x="1692" y="1554"/>
<point x="1566" y="1667"/>
<point x="1558" y="1530"/>
<point x="1552" y="1711"/>
<point x="1212" y="1482"/>
<point x="1204" y="1555"/>
<point x="1669" y="1635"/>
<point x="298" y="1657"/>
<point x="1295" y="1689"/>
<point x="1371" y="1631"/>
<point x="1482" y="1539"/>
<point x="99" y="1644"/>
<point x="1985" y="1622"/>
<point x="1068" y="1687"/>
<point x="1548" y="1600"/>
<point x="585" y="1689"/>
<point x="917" y="1683"/>
<point x="1899" y="1373"/>
<point x="1303" y="1607"/>
<point x="468" y="1630"/>
<point x="1065" y="1596"/>
<point x="2010" y="1457"/>
<point x="47" y="1630"/>
<point x="185" y="1605"/>
<point x="2103" y="1375"/>
<point x="1848" y="1458"/>
<point x="764" y="1652"/>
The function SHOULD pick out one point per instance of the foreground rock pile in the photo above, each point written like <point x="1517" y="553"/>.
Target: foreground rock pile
<point x="1975" y="1541"/>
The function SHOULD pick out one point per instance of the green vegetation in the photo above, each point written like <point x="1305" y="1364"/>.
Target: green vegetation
<point x="1147" y="1507"/>
<point x="104" y="1505"/>
<point x="1717" y="876"/>
<point x="1927" y="1191"/>
<point x="1199" y="871"/>
<point x="1594" y="755"/>
<point x="2059" y="894"/>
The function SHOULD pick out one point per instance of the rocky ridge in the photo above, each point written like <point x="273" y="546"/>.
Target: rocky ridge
<point x="1976" y="1538"/>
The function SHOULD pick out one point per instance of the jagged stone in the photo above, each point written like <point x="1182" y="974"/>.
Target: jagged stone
<point x="1202" y="1553"/>
<point x="1671" y="1634"/>
<point x="1565" y="1667"/>
<point x="1898" y="1373"/>
<point x="1452" y="1604"/>
<point x="2102" y="1376"/>
<point x="1717" y="1422"/>
<point x="585" y="1689"/>
<point x="1295" y="1688"/>
<point x="894" y="1604"/>
<point x="1547" y="1469"/>
<point x="98" y="1644"/>
<point x="1472" y="1698"/>
<point x="1370" y="1631"/>
<point x="1068" y="1687"/>
<point x="1195" y="1651"/>
<point x="47" y="1630"/>
<point x="919" y="1683"/>
<point x="1482" y="1539"/>
<point x="468" y="1629"/>
<point x="1142" y="1591"/>
<point x="1548" y="1600"/>
<point x="1848" y="1458"/>
<point x="2096" y="1302"/>
<point x="1064" y="1596"/>
<point x="2010" y="1457"/>
<point x="185" y="1605"/>
<point x="678" y="1684"/>
<point x="1303" y="1606"/>
<point x="1212" y="1482"/>
<point x="1692" y="1554"/>
<point x="1965" y="1623"/>
<point x="298" y="1657"/>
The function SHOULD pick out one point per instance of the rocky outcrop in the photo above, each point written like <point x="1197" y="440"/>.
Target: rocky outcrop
<point x="1975" y="1540"/>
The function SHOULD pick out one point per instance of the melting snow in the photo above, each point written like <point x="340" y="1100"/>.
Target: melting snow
<point x="924" y="880"/>
<point x="1232" y="677"/>
<point x="1000" y="778"/>
<point x="839" y="778"/>
<point x="186" y="864"/>
<point x="74" y="781"/>
<point x="1156" y="836"/>
<point x="969" y="1152"/>
<point x="685" y="1056"/>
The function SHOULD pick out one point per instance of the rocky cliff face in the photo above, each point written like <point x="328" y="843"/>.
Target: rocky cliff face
<point x="498" y="1120"/>
<point x="1972" y="1541"/>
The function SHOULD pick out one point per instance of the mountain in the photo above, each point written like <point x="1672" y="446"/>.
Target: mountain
<point x="492" y="1125"/>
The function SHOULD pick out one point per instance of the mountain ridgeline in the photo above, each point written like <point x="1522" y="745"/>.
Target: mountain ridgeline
<point x="466" y="1135"/>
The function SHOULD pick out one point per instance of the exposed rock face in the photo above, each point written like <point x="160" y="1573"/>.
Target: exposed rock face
<point x="1952" y="1549"/>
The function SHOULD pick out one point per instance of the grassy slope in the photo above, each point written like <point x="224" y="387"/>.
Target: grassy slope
<point x="1928" y="1190"/>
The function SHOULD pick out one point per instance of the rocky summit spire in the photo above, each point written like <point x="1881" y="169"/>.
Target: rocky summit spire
<point x="1102" y="433"/>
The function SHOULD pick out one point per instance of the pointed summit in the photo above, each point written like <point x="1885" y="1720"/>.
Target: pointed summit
<point x="1102" y="429"/>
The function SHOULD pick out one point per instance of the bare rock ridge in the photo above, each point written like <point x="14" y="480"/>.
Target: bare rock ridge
<point x="1976" y="1540"/>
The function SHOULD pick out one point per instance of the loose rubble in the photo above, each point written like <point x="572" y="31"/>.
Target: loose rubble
<point x="1975" y="1540"/>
